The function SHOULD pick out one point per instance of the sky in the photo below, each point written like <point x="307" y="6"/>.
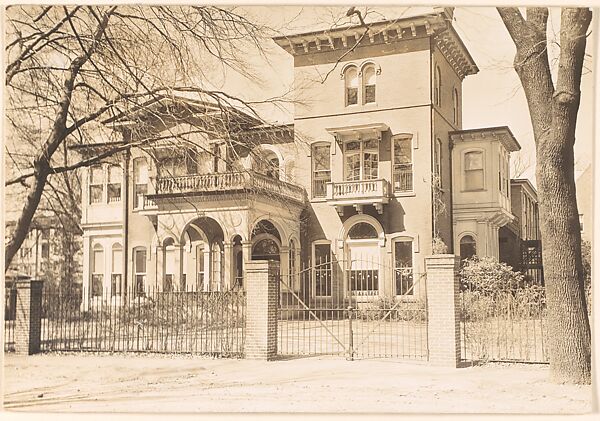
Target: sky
<point x="493" y="97"/>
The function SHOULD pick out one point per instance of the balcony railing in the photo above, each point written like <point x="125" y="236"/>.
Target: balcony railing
<point x="369" y="190"/>
<point x="356" y="193"/>
<point x="231" y="181"/>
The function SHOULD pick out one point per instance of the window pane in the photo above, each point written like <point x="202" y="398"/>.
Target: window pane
<point x="114" y="174"/>
<point x="473" y="161"/>
<point x="362" y="230"/>
<point x="117" y="260"/>
<point x="371" y="166"/>
<point x="351" y="78"/>
<point x="468" y="247"/>
<point x="371" y="144"/>
<point x="321" y="158"/>
<point x="369" y="94"/>
<point x="369" y="75"/>
<point x="98" y="261"/>
<point x="140" y="171"/>
<point x="403" y="254"/>
<point x="352" y="167"/>
<point x="96" y="175"/>
<point x="351" y="96"/>
<point x="140" y="261"/>
<point x="474" y="179"/>
<point x="402" y="150"/>
<point x="114" y="193"/>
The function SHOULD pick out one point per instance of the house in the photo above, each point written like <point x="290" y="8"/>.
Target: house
<point x="520" y="240"/>
<point x="375" y="173"/>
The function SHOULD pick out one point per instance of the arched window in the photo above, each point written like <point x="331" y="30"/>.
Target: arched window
<point x="116" y="273"/>
<point x="351" y="84"/>
<point x="468" y="247"/>
<point x="140" y="180"/>
<point x="455" y="105"/>
<point x="265" y="249"/>
<point x="97" y="270"/>
<point x="362" y="231"/>
<point x="474" y="170"/>
<point x="368" y="77"/>
<point x="267" y="163"/>
<point x="437" y="86"/>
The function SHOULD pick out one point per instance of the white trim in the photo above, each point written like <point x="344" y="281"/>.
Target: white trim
<point x="355" y="219"/>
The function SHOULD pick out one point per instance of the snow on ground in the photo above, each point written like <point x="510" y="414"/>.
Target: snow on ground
<point x="177" y="383"/>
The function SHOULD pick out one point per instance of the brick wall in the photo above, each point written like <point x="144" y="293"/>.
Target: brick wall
<point x="443" y="309"/>
<point x="28" y="320"/>
<point x="262" y="296"/>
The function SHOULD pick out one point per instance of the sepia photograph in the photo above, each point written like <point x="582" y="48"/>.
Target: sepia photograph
<point x="298" y="209"/>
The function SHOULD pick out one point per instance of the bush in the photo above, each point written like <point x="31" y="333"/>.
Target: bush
<point x="392" y="309"/>
<point x="488" y="276"/>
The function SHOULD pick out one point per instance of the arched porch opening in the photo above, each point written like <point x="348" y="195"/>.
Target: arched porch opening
<point x="203" y="257"/>
<point x="266" y="241"/>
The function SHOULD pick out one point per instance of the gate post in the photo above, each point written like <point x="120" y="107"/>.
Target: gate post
<point x="28" y="318"/>
<point x="262" y="299"/>
<point x="443" y="330"/>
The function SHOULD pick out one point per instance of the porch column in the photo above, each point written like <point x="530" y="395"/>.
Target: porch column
<point x="227" y="265"/>
<point x="85" y="299"/>
<point x="284" y="264"/>
<point x="247" y="251"/>
<point x="443" y="319"/>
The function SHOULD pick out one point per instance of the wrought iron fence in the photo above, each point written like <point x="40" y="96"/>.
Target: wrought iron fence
<point x="508" y="324"/>
<point x="180" y="322"/>
<point x="10" y="302"/>
<point x="351" y="309"/>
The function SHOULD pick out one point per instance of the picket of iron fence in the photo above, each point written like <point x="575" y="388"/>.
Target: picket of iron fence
<point x="196" y="322"/>
<point x="10" y="301"/>
<point x="508" y="324"/>
<point x="342" y="308"/>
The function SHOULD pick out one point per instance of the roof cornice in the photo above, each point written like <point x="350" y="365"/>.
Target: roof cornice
<point x="500" y="133"/>
<point x="436" y="25"/>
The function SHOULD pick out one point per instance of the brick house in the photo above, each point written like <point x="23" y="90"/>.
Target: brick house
<point x="375" y="169"/>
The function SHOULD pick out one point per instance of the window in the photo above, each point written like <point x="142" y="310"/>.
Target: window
<point x="266" y="162"/>
<point x="45" y="250"/>
<point x="322" y="269"/>
<point x="200" y="267"/>
<point x="468" y="247"/>
<point x="474" y="170"/>
<point x="116" y="272"/>
<point x="455" y="105"/>
<point x="361" y="159"/>
<point x="96" y="184"/>
<point x="321" y="165"/>
<point x="140" y="175"/>
<point x="216" y="263"/>
<point x="97" y="270"/>
<point x="139" y="271"/>
<point x="115" y="175"/>
<point x="403" y="267"/>
<point x="369" y="84"/>
<point x="437" y="86"/>
<point x="351" y="83"/>
<point x="403" y="165"/>
<point x="362" y="231"/>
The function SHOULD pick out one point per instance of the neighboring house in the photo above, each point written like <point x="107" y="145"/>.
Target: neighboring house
<point x="520" y="240"/>
<point x="585" y="194"/>
<point x="375" y="169"/>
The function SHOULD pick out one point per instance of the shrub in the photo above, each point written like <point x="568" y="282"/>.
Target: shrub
<point x="488" y="276"/>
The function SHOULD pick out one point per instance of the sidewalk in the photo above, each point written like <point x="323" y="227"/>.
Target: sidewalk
<point x="176" y="383"/>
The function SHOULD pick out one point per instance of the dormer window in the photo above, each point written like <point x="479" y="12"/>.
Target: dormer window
<point x="369" y="84"/>
<point x="474" y="170"/>
<point x="351" y="83"/>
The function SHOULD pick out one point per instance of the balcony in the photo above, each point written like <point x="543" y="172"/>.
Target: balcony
<point x="358" y="193"/>
<point x="231" y="182"/>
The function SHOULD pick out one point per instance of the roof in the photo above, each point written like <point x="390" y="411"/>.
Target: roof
<point x="436" y="24"/>
<point x="500" y="133"/>
<point x="526" y="185"/>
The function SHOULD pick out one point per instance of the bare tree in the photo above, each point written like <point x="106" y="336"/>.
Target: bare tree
<point x="71" y="69"/>
<point x="520" y="163"/>
<point x="553" y="109"/>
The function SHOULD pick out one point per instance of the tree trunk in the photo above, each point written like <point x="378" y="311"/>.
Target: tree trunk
<point x="554" y="116"/>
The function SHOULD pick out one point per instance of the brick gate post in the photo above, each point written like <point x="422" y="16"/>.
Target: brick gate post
<point x="262" y="298"/>
<point x="28" y="318"/>
<point x="443" y="328"/>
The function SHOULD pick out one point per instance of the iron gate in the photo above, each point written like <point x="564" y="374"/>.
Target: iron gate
<point x="356" y="309"/>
